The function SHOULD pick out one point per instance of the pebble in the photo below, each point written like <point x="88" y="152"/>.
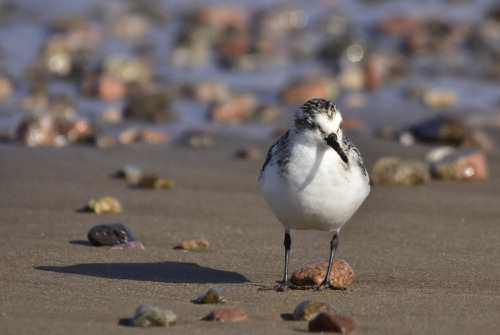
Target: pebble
<point x="128" y="69"/>
<point x="152" y="316"/>
<point x="440" y="129"/>
<point x="398" y="25"/>
<point x="208" y="92"/>
<point x="6" y="89"/>
<point x="219" y="17"/>
<point x="105" y="205"/>
<point x="131" y="173"/>
<point x="199" y="139"/>
<point x="110" y="234"/>
<point x="227" y="314"/>
<point x="193" y="245"/>
<point x="146" y="135"/>
<point x="110" y="88"/>
<point x="461" y="165"/>
<point x="352" y="78"/>
<point x="391" y="171"/>
<point x="152" y="104"/>
<point x="268" y="113"/>
<point x="477" y="138"/>
<point x="212" y="296"/>
<point x="341" y="274"/>
<point x="155" y="183"/>
<point x="443" y="98"/>
<point x="128" y="245"/>
<point x="309" y="309"/>
<point x="106" y="141"/>
<point x="328" y="322"/>
<point x="248" y="154"/>
<point x="304" y="89"/>
<point x="238" y="109"/>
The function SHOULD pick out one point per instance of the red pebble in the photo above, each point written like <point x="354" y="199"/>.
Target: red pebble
<point x="227" y="315"/>
<point x="329" y="322"/>
<point x="341" y="274"/>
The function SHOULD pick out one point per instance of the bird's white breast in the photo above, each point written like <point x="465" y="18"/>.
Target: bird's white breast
<point x="315" y="190"/>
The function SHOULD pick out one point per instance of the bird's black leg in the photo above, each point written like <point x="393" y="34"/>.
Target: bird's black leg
<point x="288" y="244"/>
<point x="326" y="283"/>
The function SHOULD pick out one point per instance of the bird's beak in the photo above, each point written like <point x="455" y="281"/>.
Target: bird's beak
<point x="332" y="141"/>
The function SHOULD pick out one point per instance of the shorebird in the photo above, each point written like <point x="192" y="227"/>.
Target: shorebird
<point x="314" y="178"/>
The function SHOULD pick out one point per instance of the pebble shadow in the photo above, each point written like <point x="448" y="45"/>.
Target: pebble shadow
<point x="81" y="242"/>
<point x="168" y="272"/>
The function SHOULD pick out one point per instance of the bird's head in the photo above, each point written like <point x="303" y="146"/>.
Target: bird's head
<point x="322" y="120"/>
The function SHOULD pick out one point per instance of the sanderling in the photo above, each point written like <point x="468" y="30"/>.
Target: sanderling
<point x="314" y="177"/>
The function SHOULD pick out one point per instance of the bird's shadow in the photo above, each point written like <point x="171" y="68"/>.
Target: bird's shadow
<point x="167" y="272"/>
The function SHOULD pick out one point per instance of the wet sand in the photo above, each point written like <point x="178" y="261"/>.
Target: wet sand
<point x="426" y="259"/>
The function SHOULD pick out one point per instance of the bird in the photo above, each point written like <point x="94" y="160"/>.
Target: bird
<point x="313" y="178"/>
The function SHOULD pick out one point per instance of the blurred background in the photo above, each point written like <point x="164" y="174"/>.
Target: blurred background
<point x="118" y="72"/>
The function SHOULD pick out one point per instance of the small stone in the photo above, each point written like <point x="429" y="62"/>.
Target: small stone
<point x="328" y="322"/>
<point x="131" y="173"/>
<point x="354" y="100"/>
<point x="131" y="27"/>
<point x="6" y="89"/>
<point x="128" y="245"/>
<point x="208" y="92"/>
<point x="151" y="104"/>
<point x="153" y="137"/>
<point x="199" y="139"/>
<point x="129" y="136"/>
<point x="227" y="315"/>
<point x="461" y="165"/>
<point x="341" y="274"/>
<point x="233" y="47"/>
<point x="193" y="245"/>
<point x="352" y="78"/>
<point x="268" y="113"/>
<point x="398" y="25"/>
<point x="155" y="183"/>
<point x="477" y="139"/>
<point x="105" y="205"/>
<point x="219" y="17"/>
<point x="248" y="154"/>
<point x="110" y="88"/>
<point x="106" y="141"/>
<point x="391" y="171"/>
<point x="110" y="234"/>
<point x="440" y="129"/>
<point x="236" y="110"/>
<point x="128" y="69"/>
<point x="111" y="115"/>
<point x="150" y="136"/>
<point x="308" y="88"/>
<point x="151" y="316"/>
<point x="443" y="98"/>
<point x="308" y="310"/>
<point x="212" y="296"/>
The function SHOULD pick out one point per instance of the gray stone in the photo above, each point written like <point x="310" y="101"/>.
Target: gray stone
<point x="308" y="310"/>
<point x="391" y="171"/>
<point x="152" y="316"/>
<point x="110" y="234"/>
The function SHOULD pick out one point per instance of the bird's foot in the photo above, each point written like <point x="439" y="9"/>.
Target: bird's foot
<point x="282" y="287"/>
<point x="327" y="285"/>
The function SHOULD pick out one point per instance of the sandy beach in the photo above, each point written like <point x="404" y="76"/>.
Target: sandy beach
<point x="425" y="258"/>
